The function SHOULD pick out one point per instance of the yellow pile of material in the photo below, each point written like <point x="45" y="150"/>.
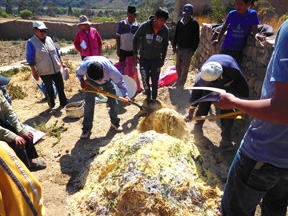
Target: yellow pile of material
<point x="165" y="121"/>
<point x="148" y="174"/>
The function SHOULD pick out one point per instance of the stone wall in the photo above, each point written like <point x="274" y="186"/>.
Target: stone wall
<point x="14" y="30"/>
<point x="255" y="60"/>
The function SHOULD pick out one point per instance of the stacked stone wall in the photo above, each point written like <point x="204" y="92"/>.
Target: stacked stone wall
<point x="255" y="60"/>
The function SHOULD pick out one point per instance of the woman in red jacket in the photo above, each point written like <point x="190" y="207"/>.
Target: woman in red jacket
<point x="87" y="41"/>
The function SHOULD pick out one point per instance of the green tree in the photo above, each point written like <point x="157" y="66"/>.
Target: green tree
<point x="34" y="6"/>
<point x="218" y="10"/>
<point x="87" y="10"/>
<point x="22" y="5"/>
<point x="265" y="7"/>
<point x="25" y="14"/>
<point x="9" y="6"/>
<point x="52" y="9"/>
<point x="70" y="12"/>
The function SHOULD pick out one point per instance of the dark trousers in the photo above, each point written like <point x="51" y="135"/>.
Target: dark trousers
<point x="226" y="123"/>
<point x="29" y="152"/>
<point x="237" y="55"/>
<point x="150" y="68"/>
<point x="58" y="80"/>
<point x="124" y="54"/>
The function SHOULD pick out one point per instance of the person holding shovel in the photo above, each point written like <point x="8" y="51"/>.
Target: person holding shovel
<point x="220" y="71"/>
<point x="45" y="62"/>
<point x="101" y="73"/>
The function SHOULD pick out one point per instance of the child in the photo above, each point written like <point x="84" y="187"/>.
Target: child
<point x="240" y="23"/>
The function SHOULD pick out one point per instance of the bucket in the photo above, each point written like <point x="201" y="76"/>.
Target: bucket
<point x="74" y="110"/>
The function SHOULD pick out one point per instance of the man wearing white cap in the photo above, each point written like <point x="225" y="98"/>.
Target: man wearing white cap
<point x="220" y="71"/>
<point x="185" y="43"/>
<point x="44" y="60"/>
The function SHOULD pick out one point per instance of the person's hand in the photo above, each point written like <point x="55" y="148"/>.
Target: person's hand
<point x="28" y="136"/>
<point x="118" y="52"/>
<point x="136" y="58"/>
<point x="215" y="42"/>
<point x="174" y="50"/>
<point x="260" y="37"/>
<point x="189" y="116"/>
<point x="82" y="50"/>
<point x="127" y="98"/>
<point x="35" y="76"/>
<point x="83" y="84"/>
<point x="20" y="142"/>
<point x="226" y="101"/>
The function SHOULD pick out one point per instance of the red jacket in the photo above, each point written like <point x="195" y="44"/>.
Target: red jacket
<point x="93" y="41"/>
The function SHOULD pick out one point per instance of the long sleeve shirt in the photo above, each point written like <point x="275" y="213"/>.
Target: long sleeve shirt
<point x="110" y="72"/>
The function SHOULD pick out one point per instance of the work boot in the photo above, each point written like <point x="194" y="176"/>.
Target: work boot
<point x="117" y="127"/>
<point x="226" y="143"/>
<point x="85" y="135"/>
<point x="198" y="130"/>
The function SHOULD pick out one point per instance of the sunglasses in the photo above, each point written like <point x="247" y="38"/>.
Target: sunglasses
<point x="43" y="31"/>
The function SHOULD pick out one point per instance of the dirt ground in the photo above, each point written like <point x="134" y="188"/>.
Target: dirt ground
<point x="67" y="158"/>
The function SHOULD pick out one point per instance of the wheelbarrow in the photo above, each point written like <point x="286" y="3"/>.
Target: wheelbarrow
<point x="146" y="109"/>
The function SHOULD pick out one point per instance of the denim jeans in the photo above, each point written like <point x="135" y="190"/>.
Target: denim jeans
<point x="248" y="182"/>
<point x="90" y="105"/>
<point x="150" y="68"/>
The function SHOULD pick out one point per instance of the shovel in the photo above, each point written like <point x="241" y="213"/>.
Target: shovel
<point x="226" y="115"/>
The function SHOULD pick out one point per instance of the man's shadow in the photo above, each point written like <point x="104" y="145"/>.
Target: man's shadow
<point x="77" y="163"/>
<point x="179" y="98"/>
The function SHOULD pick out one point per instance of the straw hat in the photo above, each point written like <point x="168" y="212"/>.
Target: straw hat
<point x="84" y="20"/>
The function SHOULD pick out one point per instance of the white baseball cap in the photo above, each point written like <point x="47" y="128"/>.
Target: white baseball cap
<point x="209" y="72"/>
<point x="40" y="25"/>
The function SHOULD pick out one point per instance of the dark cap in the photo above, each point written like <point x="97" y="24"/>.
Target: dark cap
<point x="132" y="10"/>
<point x="4" y="80"/>
<point x="188" y="9"/>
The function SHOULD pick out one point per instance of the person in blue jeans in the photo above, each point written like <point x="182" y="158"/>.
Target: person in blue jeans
<point x="240" y="23"/>
<point x="154" y="43"/>
<point x="101" y="73"/>
<point x="260" y="168"/>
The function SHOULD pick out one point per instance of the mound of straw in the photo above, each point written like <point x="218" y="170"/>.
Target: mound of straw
<point x="148" y="174"/>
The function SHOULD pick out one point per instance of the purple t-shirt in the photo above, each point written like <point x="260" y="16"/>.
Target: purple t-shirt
<point x="266" y="141"/>
<point x="240" y="26"/>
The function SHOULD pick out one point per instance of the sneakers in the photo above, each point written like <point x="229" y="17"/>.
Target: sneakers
<point x="85" y="135"/>
<point x="117" y="128"/>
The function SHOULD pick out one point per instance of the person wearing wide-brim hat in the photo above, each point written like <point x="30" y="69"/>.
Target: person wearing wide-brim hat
<point x="124" y="42"/>
<point x="87" y="41"/>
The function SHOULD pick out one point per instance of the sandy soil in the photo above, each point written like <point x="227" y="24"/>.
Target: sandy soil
<point x="67" y="158"/>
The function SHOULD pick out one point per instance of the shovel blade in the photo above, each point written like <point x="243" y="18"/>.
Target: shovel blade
<point x="150" y="106"/>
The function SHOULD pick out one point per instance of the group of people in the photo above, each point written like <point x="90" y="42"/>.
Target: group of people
<point x="260" y="168"/>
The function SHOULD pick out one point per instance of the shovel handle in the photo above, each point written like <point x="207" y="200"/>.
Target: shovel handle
<point x="112" y="96"/>
<point x="226" y="115"/>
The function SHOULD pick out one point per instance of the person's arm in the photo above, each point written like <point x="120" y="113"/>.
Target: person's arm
<point x="223" y="30"/>
<point x="118" y="45"/>
<point x="100" y="42"/>
<point x="196" y="35"/>
<point x="165" y="47"/>
<point x="257" y="35"/>
<point x="136" y="37"/>
<point x="273" y="109"/>
<point x="174" y="43"/>
<point x="77" y="42"/>
<point x="30" y="58"/>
